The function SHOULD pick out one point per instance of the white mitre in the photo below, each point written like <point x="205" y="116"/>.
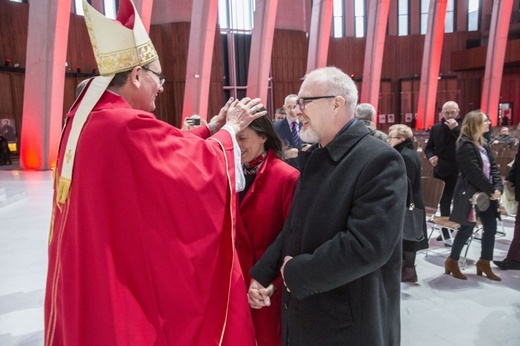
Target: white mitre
<point x="119" y="45"/>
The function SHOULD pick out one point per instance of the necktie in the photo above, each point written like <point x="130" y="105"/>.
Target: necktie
<point x="295" y="135"/>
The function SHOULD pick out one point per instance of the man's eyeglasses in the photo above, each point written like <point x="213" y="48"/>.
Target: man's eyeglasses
<point x="392" y="137"/>
<point x="303" y="100"/>
<point x="161" y="77"/>
<point x="450" y="112"/>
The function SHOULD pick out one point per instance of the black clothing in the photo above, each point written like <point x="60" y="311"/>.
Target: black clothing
<point x="472" y="179"/>
<point x="442" y="143"/>
<point x="413" y="172"/>
<point x="344" y="232"/>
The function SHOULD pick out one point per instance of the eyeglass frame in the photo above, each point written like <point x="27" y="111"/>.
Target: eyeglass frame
<point x="162" y="78"/>
<point x="301" y="101"/>
<point x="392" y="137"/>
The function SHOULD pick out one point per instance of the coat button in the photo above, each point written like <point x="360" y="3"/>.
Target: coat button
<point x="286" y="306"/>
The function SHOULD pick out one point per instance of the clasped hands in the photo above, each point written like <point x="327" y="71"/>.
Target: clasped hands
<point x="258" y="296"/>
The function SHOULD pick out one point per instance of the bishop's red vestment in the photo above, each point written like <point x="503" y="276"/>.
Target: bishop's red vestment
<point x="142" y="253"/>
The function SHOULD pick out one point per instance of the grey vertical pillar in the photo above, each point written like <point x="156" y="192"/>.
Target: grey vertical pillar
<point x="433" y="42"/>
<point x="496" y="51"/>
<point x="261" y="49"/>
<point x="375" y="44"/>
<point x="319" y="38"/>
<point x="200" y="55"/>
<point x="44" y="83"/>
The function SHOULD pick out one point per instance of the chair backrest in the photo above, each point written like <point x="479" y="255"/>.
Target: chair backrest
<point x="426" y="167"/>
<point x="503" y="164"/>
<point x="432" y="189"/>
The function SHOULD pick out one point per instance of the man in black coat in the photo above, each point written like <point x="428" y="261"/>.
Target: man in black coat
<point x="440" y="151"/>
<point x="339" y="252"/>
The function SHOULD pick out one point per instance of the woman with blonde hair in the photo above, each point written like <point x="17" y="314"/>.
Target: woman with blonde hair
<point x="478" y="173"/>
<point x="401" y="138"/>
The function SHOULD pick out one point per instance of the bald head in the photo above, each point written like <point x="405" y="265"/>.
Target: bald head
<point x="450" y="110"/>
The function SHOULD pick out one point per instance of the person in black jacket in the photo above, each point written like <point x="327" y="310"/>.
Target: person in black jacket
<point x="401" y="138"/>
<point x="340" y="251"/>
<point x="440" y="151"/>
<point x="478" y="173"/>
<point x="512" y="260"/>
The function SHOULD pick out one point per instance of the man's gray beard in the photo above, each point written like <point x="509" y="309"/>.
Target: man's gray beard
<point x="309" y="135"/>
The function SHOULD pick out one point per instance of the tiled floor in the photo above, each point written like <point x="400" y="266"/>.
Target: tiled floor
<point x="438" y="310"/>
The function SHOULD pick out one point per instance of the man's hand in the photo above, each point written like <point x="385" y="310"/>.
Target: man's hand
<point x="434" y="160"/>
<point x="291" y="153"/>
<point x="451" y="123"/>
<point x="219" y="120"/>
<point x="241" y="113"/>
<point x="258" y="295"/>
<point x="496" y="195"/>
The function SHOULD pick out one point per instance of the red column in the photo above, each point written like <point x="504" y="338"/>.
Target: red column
<point x="261" y="49"/>
<point x="375" y="44"/>
<point x="426" y="113"/>
<point x="496" y="51"/>
<point x="44" y="83"/>
<point x="321" y="21"/>
<point x="200" y="55"/>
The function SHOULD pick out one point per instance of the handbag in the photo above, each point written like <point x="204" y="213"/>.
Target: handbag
<point x="413" y="220"/>
<point x="479" y="202"/>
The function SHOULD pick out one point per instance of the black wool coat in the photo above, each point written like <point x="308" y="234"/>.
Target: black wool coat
<point x="443" y="143"/>
<point x="344" y="233"/>
<point x="413" y="172"/>
<point x="472" y="179"/>
<point x="514" y="175"/>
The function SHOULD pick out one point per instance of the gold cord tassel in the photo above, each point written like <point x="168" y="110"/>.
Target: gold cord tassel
<point x="63" y="189"/>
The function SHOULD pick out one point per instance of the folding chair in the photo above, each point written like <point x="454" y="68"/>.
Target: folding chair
<point x="503" y="164"/>
<point x="443" y="221"/>
<point x="432" y="189"/>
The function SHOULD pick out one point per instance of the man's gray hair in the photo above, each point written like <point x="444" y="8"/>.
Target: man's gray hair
<point x="290" y="96"/>
<point x="338" y="83"/>
<point x="365" y="111"/>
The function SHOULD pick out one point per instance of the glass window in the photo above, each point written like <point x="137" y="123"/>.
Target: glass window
<point x="236" y="23"/>
<point x="359" y="13"/>
<point x="78" y="4"/>
<point x="450" y="17"/>
<point x="236" y="14"/>
<point x="337" y="19"/>
<point x="425" y="6"/>
<point x="402" y="21"/>
<point x="110" y="8"/>
<point x="473" y="14"/>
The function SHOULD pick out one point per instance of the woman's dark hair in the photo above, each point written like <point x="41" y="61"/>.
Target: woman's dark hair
<point x="263" y="126"/>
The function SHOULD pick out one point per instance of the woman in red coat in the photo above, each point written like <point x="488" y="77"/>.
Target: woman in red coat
<point x="263" y="206"/>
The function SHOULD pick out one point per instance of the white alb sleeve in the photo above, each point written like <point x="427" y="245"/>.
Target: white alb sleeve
<point x="240" y="180"/>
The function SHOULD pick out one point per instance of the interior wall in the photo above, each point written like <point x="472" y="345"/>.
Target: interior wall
<point x="402" y="60"/>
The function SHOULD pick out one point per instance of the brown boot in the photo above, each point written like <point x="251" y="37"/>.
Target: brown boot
<point x="451" y="266"/>
<point x="484" y="267"/>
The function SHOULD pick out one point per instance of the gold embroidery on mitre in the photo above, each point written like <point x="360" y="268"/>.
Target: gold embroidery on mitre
<point x="123" y="59"/>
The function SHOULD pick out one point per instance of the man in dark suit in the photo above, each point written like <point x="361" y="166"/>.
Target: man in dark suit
<point x="288" y="130"/>
<point x="339" y="252"/>
<point x="440" y="151"/>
